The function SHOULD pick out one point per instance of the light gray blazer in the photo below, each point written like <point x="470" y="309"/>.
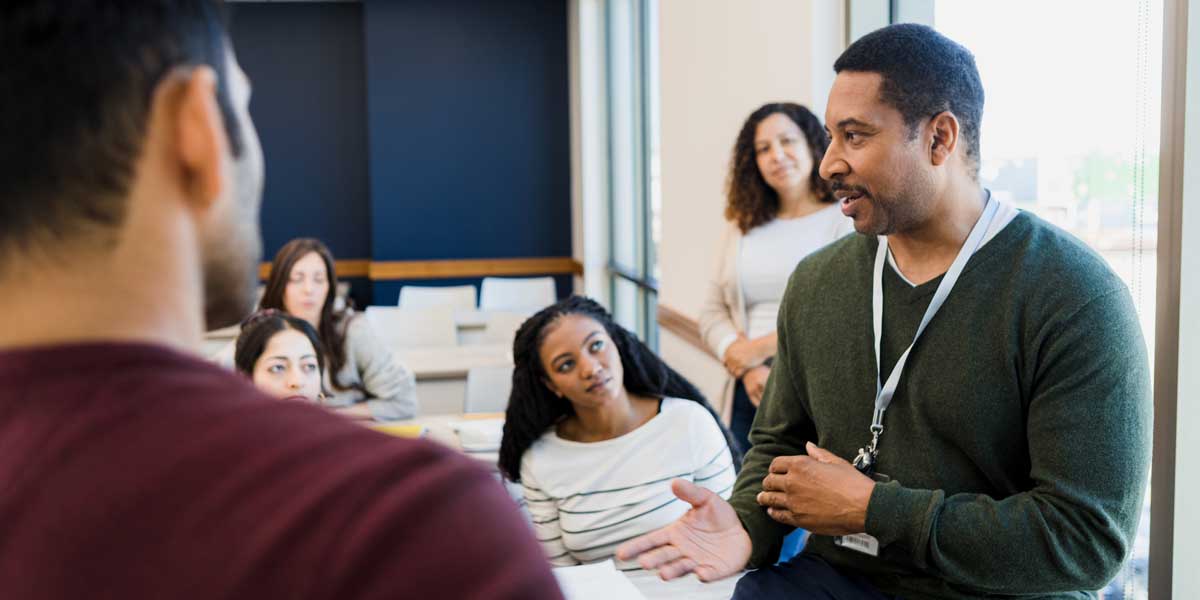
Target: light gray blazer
<point x="373" y="375"/>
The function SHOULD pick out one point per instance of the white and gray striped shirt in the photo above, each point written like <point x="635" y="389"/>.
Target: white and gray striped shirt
<point x="587" y="498"/>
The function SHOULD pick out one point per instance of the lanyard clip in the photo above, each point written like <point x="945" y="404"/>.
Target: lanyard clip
<point x="868" y="455"/>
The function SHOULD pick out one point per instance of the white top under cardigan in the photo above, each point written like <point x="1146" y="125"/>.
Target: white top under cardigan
<point x="585" y="499"/>
<point x="724" y="313"/>
<point x="769" y="254"/>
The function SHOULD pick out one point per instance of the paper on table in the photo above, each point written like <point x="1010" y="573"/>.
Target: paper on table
<point x="480" y="435"/>
<point x="597" y="581"/>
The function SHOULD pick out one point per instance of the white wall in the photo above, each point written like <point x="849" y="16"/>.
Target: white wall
<point x="1174" y="522"/>
<point x="589" y="145"/>
<point x="719" y="60"/>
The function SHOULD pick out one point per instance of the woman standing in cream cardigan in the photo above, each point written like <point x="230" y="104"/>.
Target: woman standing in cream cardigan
<point x="779" y="211"/>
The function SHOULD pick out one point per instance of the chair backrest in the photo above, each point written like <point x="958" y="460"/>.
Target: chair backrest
<point x="488" y="389"/>
<point x="461" y="297"/>
<point x="529" y="294"/>
<point x="412" y="327"/>
<point x="501" y="327"/>
<point x="342" y="300"/>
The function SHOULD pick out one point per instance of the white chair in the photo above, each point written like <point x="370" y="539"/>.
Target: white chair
<point x="488" y="389"/>
<point x="501" y="327"/>
<point x="461" y="297"/>
<point x="413" y="328"/>
<point x="516" y="294"/>
<point x="342" y="299"/>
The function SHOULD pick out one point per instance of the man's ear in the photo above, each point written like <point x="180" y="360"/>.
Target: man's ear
<point x="195" y="119"/>
<point x="943" y="133"/>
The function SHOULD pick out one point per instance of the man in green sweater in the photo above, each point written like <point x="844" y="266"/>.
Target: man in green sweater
<point x="1002" y="447"/>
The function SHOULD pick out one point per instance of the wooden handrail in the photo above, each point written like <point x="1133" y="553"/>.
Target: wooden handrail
<point x="684" y="327"/>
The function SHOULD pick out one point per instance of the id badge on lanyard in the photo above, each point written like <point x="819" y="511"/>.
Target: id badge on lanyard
<point x="868" y="456"/>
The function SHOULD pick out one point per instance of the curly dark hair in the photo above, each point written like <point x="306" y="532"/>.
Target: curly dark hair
<point x="924" y="73"/>
<point x="333" y="324"/>
<point x="533" y="408"/>
<point x="750" y="202"/>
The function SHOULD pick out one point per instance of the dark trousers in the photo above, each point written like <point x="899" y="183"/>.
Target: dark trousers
<point x="742" y="417"/>
<point x="805" y="577"/>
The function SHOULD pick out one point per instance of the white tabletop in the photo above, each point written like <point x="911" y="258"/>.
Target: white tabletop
<point x="653" y="587"/>
<point x="225" y="333"/>
<point x="453" y="361"/>
<point x="464" y="319"/>
<point x="440" y="428"/>
<point x="470" y="319"/>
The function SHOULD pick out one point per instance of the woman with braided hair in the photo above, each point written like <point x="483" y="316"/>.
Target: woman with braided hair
<point x="597" y="427"/>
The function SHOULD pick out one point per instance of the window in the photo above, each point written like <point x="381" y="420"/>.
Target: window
<point x="1071" y="133"/>
<point x="634" y="199"/>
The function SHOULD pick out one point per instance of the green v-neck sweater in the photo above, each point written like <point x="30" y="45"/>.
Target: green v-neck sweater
<point x="1018" y="440"/>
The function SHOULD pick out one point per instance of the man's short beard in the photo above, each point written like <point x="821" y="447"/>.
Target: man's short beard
<point x="230" y="278"/>
<point x="231" y="253"/>
<point x="908" y="208"/>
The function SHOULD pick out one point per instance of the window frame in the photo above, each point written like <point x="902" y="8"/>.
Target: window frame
<point x="643" y="129"/>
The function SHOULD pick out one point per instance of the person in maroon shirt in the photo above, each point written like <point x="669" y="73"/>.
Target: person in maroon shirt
<point x="130" y="177"/>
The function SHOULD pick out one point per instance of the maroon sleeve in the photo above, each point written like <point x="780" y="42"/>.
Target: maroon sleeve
<point x="136" y="472"/>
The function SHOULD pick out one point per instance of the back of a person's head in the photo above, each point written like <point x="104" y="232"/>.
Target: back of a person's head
<point x="79" y="78"/>
<point x="923" y="73"/>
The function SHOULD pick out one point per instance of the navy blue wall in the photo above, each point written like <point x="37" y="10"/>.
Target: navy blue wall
<point x="470" y="137"/>
<point x="412" y="129"/>
<point x="305" y="63"/>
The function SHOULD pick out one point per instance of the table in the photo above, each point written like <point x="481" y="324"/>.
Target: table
<point x="689" y="587"/>
<point x="217" y="339"/>
<point x="471" y="326"/>
<point x="452" y="362"/>
<point x="472" y="331"/>
<point x="442" y="373"/>
<point x="440" y="428"/>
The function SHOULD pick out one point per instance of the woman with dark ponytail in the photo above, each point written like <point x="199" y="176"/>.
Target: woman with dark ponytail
<point x="597" y="427"/>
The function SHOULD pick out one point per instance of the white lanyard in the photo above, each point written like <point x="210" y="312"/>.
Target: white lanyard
<point x="886" y="390"/>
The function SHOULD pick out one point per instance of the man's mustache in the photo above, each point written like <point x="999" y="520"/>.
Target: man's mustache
<point x="840" y="186"/>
